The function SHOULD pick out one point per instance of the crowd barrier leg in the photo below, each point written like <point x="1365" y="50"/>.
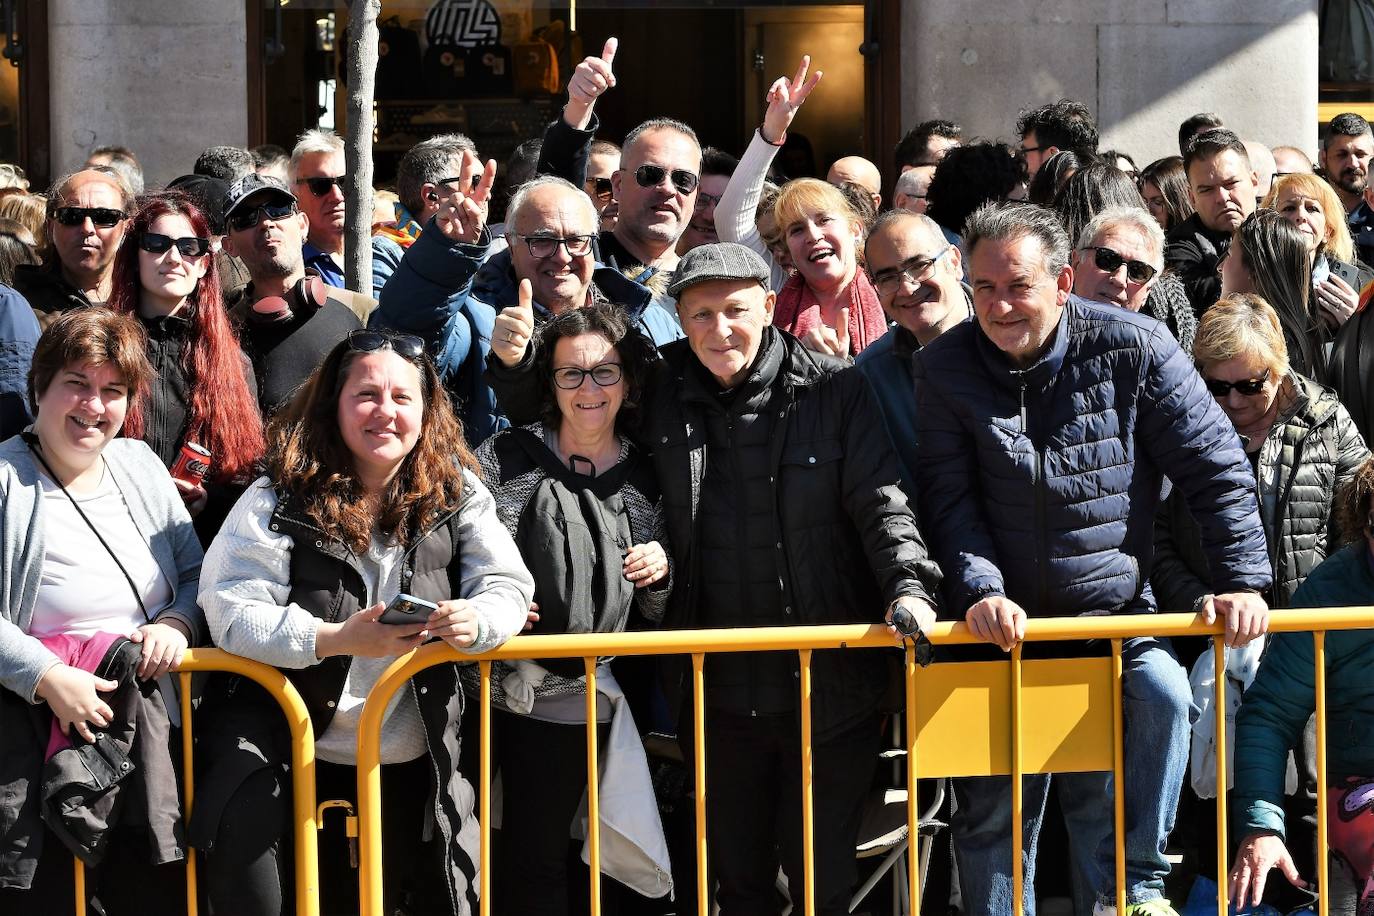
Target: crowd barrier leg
<point x="1219" y="709"/>
<point x="913" y="817"/>
<point x="484" y="807"/>
<point x="699" y="771"/>
<point x="1119" y="776"/>
<point x="593" y="790"/>
<point x="1018" y="875"/>
<point x="808" y="801"/>
<point x="188" y="788"/>
<point x="80" y="879"/>
<point x="1323" y="875"/>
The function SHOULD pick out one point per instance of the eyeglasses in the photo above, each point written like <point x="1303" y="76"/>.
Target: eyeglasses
<point x="705" y="200"/>
<point x="1108" y="260"/>
<point x="651" y="176"/>
<point x="407" y="346"/>
<point x="600" y="188"/>
<point x="104" y="217"/>
<point x="320" y="185"/>
<point x="190" y="247"/>
<point x="455" y="179"/>
<point x="249" y="217"/>
<point x="1022" y="150"/>
<point x="1249" y="387"/>
<point x="917" y="270"/>
<point x="570" y="378"/>
<point x="544" y="246"/>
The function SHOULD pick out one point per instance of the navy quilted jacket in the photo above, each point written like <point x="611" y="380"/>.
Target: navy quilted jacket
<point x="1041" y="485"/>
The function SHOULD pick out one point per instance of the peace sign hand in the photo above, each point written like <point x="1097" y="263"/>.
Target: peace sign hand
<point x="592" y="78"/>
<point x="463" y="215"/>
<point x="784" y="98"/>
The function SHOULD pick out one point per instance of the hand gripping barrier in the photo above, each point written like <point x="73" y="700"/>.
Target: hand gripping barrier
<point x="302" y="772"/>
<point x="1075" y="704"/>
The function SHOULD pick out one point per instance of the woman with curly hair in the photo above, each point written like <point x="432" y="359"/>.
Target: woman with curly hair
<point x="370" y="496"/>
<point x="203" y="390"/>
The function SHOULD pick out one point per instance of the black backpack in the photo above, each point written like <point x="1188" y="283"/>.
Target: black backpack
<point x="573" y="533"/>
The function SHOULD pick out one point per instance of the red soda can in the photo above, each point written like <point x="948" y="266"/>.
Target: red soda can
<point x="192" y="464"/>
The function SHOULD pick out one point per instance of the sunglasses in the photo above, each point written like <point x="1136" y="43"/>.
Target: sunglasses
<point x="544" y="246"/>
<point x="1109" y="261"/>
<point x="1249" y="387"/>
<point x="190" y="247"/>
<point x="249" y="217"/>
<point x="320" y="185"/>
<point x="651" y="176"/>
<point x="599" y="188"/>
<point x="455" y="179"/>
<point x="104" y="217"/>
<point x="570" y="378"/>
<point x="407" y="346"/>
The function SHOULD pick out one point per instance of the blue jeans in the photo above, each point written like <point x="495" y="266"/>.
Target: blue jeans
<point x="1158" y="714"/>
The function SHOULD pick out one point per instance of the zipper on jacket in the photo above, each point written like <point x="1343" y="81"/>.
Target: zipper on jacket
<point x="1042" y="559"/>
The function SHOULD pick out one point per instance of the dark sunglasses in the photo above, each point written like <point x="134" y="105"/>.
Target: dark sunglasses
<point x="600" y="188"/>
<point x="407" y="346"/>
<point x="1249" y="387"/>
<point x="651" y="176"/>
<point x="455" y="179"/>
<point x="320" y="184"/>
<point x="570" y="378"/>
<point x="104" y="217"/>
<point x="190" y="247"/>
<point x="1108" y="260"/>
<point x="249" y="217"/>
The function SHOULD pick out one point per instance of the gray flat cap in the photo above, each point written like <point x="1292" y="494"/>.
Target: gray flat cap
<point x="720" y="261"/>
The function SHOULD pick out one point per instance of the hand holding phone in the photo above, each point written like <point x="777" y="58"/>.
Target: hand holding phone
<point x="405" y="609"/>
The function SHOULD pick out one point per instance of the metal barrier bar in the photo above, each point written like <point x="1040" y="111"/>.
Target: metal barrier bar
<point x="698" y="643"/>
<point x="1118" y="776"/>
<point x="808" y="799"/>
<point x="1323" y="851"/>
<point x="913" y="809"/>
<point x="484" y="809"/>
<point x="1219" y="710"/>
<point x="593" y="789"/>
<point x="1018" y="795"/>
<point x="302" y="771"/>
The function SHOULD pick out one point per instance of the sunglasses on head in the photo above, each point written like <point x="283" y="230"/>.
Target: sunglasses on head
<point x="190" y="247"/>
<point x="1109" y="261"/>
<point x="600" y="188"/>
<point x="104" y="217"/>
<point x="1248" y="387"/>
<point x="320" y="184"/>
<point x="249" y="217"/>
<point x="407" y="346"/>
<point x="651" y="176"/>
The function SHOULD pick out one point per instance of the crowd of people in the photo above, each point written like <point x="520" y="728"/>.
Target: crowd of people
<point x="666" y="387"/>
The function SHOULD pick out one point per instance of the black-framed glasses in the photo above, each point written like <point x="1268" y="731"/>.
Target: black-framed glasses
<point x="917" y="270"/>
<point x="705" y="200"/>
<point x="103" y="217"/>
<point x="458" y="180"/>
<point x="190" y="246"/>
<point x="544" y="246"/>
<point x="1022" y="150"/>
<point x="600" y="188"/>
<point x="651" y="176"/>
<point x="249" y="217"/>
<point x="1249" y="387"/>
<point x="570" y="378"/>
<point x="320" y="185"/>
<point x="1110" y="261"/>
<point x="407" y="346"/>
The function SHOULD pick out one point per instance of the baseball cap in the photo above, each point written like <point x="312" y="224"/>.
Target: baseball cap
<point x="245" y="187"/>
<point x="718" y="261"/>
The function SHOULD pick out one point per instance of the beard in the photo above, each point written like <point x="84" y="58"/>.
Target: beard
<point x="1352" y="181"/>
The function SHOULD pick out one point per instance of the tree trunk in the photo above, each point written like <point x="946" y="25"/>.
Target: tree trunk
<point x="362" y="71"/>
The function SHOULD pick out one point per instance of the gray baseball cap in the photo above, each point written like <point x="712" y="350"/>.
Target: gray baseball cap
<point x="719" y="261"/>
<point x="252" y="183"/>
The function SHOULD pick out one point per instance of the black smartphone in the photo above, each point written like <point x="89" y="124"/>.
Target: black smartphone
<point x="408" y="609"/>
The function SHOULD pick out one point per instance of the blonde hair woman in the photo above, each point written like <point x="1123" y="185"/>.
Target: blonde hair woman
<point x="1310" y="204"/>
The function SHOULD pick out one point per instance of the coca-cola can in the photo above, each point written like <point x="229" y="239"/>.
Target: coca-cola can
<point x="192" y="464"/>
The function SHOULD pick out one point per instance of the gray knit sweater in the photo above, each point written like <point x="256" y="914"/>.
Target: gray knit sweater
<point x="158" y="513"/>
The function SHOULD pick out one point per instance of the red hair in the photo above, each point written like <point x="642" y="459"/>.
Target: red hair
<point x="223" y="412"/>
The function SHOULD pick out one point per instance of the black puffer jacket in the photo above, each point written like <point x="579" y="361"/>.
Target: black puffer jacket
<point x="1193" y="253"/>
<point x="848" y="545"/>
<point x="1312" y="449"/>
<point x="47" y="292"/>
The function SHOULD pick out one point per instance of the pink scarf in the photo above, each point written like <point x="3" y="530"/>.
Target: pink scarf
<point x="798" y="312"/>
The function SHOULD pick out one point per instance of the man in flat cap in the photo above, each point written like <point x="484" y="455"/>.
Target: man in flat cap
<point x="783" y="505"/>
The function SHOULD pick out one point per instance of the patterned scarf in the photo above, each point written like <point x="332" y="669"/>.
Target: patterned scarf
<point x="798" y="312"/>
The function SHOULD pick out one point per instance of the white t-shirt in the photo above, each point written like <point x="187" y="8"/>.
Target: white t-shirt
<point x="82" y="592"/>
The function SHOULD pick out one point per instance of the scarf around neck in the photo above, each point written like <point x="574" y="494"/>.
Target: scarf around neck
<point x="798" y="312"/>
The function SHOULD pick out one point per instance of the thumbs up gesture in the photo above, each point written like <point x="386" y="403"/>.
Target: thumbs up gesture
<point x="463" y="214"/>
<point x="510" y="335"/>
<point x="591" y="78"/>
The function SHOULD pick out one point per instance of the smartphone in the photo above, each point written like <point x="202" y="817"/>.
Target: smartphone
<point x="408" y="609"/>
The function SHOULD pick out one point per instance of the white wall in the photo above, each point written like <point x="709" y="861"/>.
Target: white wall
<point x="1142" y="66"/>
<point x="165" y="78"/>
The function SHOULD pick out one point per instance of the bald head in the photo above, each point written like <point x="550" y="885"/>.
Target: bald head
<point x="861" y="172"/>
<point x="1262" y="161"/>
<point x="917" y="273"/>
<point x="1289" y="160"/>
<point x="559" y="271"/>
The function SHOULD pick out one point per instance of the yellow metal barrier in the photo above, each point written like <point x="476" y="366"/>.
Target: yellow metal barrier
<point x="302" y="772"/>
<point x="1077" y="703"/>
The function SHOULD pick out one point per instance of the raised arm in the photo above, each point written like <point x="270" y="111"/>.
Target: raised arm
<point x="568" y="139"/>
